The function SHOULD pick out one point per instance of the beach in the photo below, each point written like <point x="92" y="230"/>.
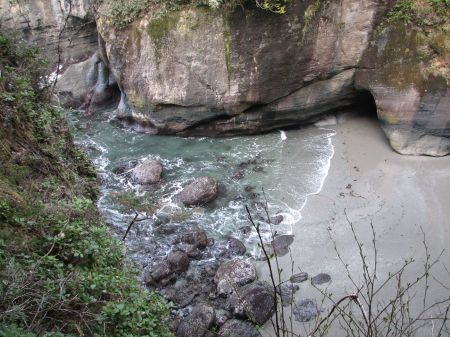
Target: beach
<point x="404" y="197"/>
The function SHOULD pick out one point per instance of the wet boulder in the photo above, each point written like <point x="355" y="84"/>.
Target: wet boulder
<point x="158" y="273"/>
<point x="238" y="328"/>
<point x="198" y="322"/>
<point x="196" y="237"/>
<point x="276" y="219"/>
<point x="236" y="247"/>
<point x="148" y="172"/>
<point x="233" y="274"/>
<point x="191" y="250"/>
<point x="178" y="261"/>
<point x="256" y="301"/>
<point x="199" y="192"/>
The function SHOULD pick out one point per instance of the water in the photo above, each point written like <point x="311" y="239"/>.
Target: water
<point x="288" y="165"/>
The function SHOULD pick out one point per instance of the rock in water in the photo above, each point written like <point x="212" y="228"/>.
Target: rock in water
<point x="280" y="244"/>
<point x="196" y="237"/>
<point x="321" y="279"/>
<point x="148" y="172"/>
<point x="178" y="261"/>
<point x="236" y="247"/>
<point x="233" y="274"/>
<point x="238" y="328"/>
<point x="255" y="301"/>
<point x="198" y="322"/>
<point x="299" y="277"/>
<point x="305" y="310"/>
<point x="276" y="219"/>
<point x="199" y="192"/>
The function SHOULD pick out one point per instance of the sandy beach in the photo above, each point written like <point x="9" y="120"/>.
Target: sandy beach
<point x="368" y="181"/>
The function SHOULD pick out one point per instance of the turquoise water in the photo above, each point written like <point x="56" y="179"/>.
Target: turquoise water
<point x="288" y="170"/>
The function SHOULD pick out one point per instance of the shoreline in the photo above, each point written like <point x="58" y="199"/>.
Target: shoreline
<point x="367" y="181"/>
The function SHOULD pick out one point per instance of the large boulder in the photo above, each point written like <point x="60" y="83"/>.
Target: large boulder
<point x="255" y="300"/>
<point x="233" y="274"/>
<point x="200" y="191"/>
<point x="198" y="322"/>
<point x="148" y="172"/>
<point x="238" y="328"/>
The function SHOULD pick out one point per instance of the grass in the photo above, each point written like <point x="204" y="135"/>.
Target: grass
<point x="62" y="273"/>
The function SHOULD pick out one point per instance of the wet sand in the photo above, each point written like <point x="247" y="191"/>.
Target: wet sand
<point x="368" y="181"/>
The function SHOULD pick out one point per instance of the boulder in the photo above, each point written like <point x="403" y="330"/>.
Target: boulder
<point x="238" y="328"/>
<point x="148" y="172"/>
<point x="195" y="237"/>
<point x="276" y="219"/>
<point x="199" y="192"/>
<point x="178" y="261"/>
<point x="198" y="322"/>
<point x="254" y="301"/>
<point x="236" y="247"/>
<point x="233" y="274"/>
<point x="191" y="250"/>
<point x="158" y="273"/>
<point x="222" y="316"/>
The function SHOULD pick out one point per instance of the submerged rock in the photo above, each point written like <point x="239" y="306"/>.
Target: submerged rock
<point x="233" y="274"/>
<point x="321" y="279"/>
<point x="198" y="322"/>
<point x="148" y="172"/>
<point x="281" y="243"/>
<point x="255" y="301"/>
<point x="191" y="250"/>
<point x="158" y="273"/>
<point x="199" y="192"/>
<point x="299" y="277"/>
<point x="238" y="328"/>
<point x="305" y="310"/>
<point x="287" y="292"/>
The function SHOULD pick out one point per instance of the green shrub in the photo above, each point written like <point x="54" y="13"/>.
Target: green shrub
<point x="62" y="273"/>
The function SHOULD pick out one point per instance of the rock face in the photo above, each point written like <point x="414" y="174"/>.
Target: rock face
<point x="42" y="21"/>
<point x="408" y="74"/>
<point x="246" y="77"/>
<point x="199" y="192"/>
<point x="148" y="172"/>
<point x="233" y="274"/>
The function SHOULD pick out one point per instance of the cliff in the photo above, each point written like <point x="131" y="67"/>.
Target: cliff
<point x="218" y="72"/>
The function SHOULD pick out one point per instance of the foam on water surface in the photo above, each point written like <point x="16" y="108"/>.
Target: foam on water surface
<point x="288" y="168"/>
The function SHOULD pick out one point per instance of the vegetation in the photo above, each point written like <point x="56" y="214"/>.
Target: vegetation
<point x="61" y="271"/>
<point x="123" y="12"/>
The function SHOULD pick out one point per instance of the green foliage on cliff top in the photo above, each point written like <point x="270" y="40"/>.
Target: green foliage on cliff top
<point x="121" y="13"/>
<point x="421" y="12"/>
<point x="62" y="273"/>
